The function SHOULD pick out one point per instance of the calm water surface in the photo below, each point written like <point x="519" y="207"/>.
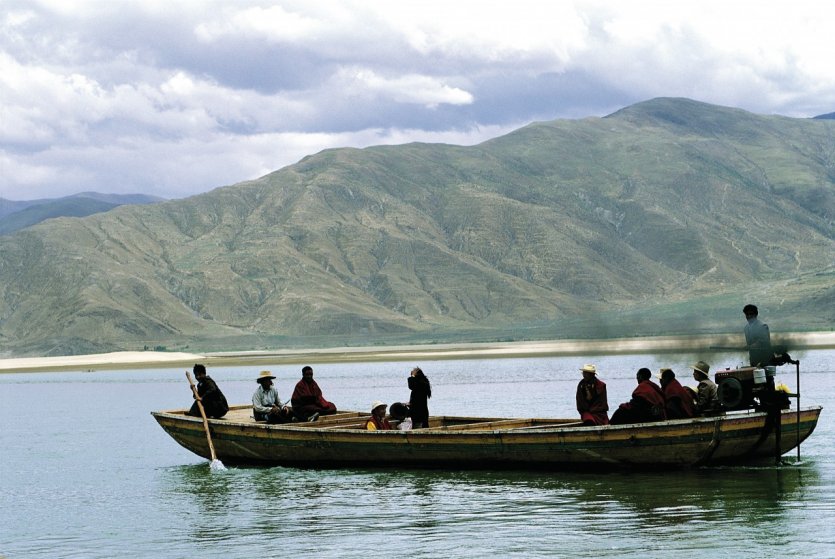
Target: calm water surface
<point x="86" y="472"/>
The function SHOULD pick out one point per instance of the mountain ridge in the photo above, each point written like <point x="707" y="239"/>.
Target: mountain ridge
<point x="660" y="218"/>
<point x="19" y="214"/>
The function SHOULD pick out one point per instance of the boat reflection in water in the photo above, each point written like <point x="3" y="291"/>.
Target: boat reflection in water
<point x="512" y="509"/>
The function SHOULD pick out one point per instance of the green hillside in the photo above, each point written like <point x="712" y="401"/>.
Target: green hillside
<point x="663" y="218"/>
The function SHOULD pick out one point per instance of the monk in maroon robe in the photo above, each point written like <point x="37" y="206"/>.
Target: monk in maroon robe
<point x="307" y="400"/>
<point x="592" y="403"/>
<point x="647" y="403"/>
<point x="680" y="402"/>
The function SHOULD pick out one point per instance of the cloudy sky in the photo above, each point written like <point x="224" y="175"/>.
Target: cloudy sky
<point x="174" y="98"/>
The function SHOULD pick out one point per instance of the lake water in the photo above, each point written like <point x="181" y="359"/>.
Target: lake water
<point x="86" y="472"/>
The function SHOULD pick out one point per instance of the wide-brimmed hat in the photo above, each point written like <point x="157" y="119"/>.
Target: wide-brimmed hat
<point x="589" y="369"/>
<point x="376" y="404"/>
<point x="702" y="367"/>
<point x="264" y="375"/>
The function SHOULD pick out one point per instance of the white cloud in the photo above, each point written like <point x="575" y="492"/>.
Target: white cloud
<point x="410" y="88"/>
<point x="178" y="97"/>
<point x="273" y="23"/>
<point x="496" y="32"/>
<point x="758" y="56"/>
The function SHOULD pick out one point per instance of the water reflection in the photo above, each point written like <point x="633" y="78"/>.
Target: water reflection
<point x="208" y="489"/>
<point x="350" y="505"/>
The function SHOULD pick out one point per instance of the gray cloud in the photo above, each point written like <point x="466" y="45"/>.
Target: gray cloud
<point x="178" y="98"/>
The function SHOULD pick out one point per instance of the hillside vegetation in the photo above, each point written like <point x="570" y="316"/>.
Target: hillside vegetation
<point x="662" y="218"/>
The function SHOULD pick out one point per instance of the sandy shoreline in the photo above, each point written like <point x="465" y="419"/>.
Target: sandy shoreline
<point x="151" y="359"/>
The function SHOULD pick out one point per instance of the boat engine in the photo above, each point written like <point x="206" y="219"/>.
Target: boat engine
<point x="749" y="387"/>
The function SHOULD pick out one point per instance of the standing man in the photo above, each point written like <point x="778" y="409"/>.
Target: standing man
<point x="591" y="398"/>
<point x="757" y="338"/>
<point x="307" y="400"/>
<point x="214" y="402"/>
<point x="266" y="405"/>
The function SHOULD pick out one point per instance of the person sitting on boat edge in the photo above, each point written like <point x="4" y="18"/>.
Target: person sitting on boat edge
<point x="378" y="421"/>
<point x="399" y="417"/>
<point x="707" y="398"/>
<point x="421" y="391"/>
<point x="213" y="400"/>
<point x="308" y="402"/>
<point x="680" y="402"/>
<point x="266" y="405"/>
<point x="592" y="403"/>
<point x="647" y="403"/>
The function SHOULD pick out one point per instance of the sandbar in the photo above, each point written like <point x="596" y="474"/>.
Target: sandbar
<point x="124" y="360"/>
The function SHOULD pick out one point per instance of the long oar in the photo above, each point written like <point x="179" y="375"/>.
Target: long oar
<point x="215" y="464"/>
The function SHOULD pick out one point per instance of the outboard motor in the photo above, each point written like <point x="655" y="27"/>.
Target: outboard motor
<point x="749" y="387"/>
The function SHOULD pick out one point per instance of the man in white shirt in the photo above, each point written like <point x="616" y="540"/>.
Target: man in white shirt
<point x="266" y="405"/>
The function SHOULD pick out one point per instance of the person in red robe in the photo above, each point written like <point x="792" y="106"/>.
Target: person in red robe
<point x="680" y="401"/>
<point x="592" y="403"/>
<point x="308" y="402"/>
<point x="378" y="421"/>
<point x="647" y="403"/>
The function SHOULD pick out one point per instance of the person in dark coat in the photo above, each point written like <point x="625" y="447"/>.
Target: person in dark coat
<point x="592" y="403"/>
<point x="308" y="402"/>
<point x="418" y="400"/>
<point x="680" y="402"/>
<point x="647" y="403"/>
<point x="214" y="402"/>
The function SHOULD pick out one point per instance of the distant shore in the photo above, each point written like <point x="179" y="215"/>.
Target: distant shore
<point x="154" y="359"/>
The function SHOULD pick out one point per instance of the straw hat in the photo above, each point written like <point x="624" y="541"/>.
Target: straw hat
<point x="589" y="369"/>
<point x="264" y="375"/>
<point x="377" y="404"/>
<point x="702" y="367"/>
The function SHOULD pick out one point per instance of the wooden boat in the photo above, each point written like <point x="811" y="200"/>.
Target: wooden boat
<point x="743" y="437"/>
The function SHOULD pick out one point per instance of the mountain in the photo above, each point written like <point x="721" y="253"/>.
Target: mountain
<point x="665" y="217"/>
<point x="15" y="215"/>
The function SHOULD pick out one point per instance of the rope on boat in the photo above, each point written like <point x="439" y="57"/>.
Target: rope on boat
<point x="714" y="444"/>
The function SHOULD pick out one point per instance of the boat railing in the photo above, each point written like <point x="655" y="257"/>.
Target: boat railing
<point x="503" y="424"/>
<point x="548" y="426"/>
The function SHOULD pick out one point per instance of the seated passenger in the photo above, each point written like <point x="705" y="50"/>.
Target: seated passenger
<point x="213" y="400"/>
<point x="592" y="403"/>
<point x="378" y="421"/>
<point x="707" y="399"/>
<point x="680" y="402"/>
<point x="647" y="403"/>
<point x="307" y="400"/>
<point x="399" y="417"/>
<point x="266" y="405"/>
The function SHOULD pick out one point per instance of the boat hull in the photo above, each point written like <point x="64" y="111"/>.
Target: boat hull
<point x="739" y="438"/>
